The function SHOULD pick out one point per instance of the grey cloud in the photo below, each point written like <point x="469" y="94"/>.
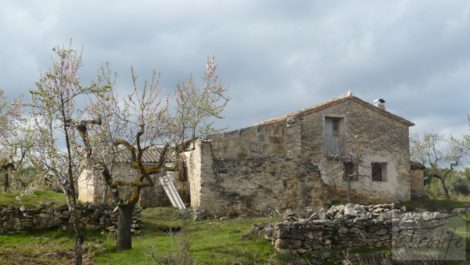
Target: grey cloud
<point x="276" y="56"/>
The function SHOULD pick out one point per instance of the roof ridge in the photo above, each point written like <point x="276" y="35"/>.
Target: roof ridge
<point x="348" y="96"/>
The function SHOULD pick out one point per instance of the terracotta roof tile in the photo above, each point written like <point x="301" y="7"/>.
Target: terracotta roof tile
<point x="151" y="155"/>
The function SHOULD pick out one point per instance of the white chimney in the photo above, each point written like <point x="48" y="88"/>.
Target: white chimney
<point x="380" y="103"/>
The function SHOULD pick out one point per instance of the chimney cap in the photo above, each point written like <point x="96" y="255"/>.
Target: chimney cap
<point x="379" y="103"/>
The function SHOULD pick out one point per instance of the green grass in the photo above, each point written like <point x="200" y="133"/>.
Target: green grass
<point x="32" y="199"/>
<point x="166" y="236"/>
<point x="212" y="241"/>
<point x="35" y="248"/>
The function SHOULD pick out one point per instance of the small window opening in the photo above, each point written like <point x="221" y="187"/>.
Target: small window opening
<point x="379" y="171"/>
<point x="334" y="136"/>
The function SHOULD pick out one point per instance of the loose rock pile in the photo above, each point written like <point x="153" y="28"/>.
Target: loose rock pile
<point x="92" y="216"/>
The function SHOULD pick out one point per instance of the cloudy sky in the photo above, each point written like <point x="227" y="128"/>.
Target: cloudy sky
<point x="275" y="56"/>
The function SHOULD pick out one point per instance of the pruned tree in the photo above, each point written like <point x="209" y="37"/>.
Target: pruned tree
<point x="145" y="122"/>
<point x="141" y="116"/>
<point x="441" y="156"/>
<point x="55" y="110"/>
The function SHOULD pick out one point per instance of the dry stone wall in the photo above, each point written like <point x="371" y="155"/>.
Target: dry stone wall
<point x="355" y="225"/>
<point x="99" y="217"/>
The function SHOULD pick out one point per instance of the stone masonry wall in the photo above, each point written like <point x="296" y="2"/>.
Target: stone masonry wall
<point x="92" y="188"/>
<point x="252" y="185"/>
<point x="355" y="225"/>
<point x="417" y="179"/>
<point x="369" y="136"/>
<point x="100" y="217"/>
<point x="269" y="166"/>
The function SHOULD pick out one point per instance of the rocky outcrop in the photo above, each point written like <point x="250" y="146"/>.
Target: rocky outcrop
<point x="92" y="216"/>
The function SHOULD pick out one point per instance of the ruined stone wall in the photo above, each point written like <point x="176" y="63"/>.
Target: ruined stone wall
<point x="255" y="141"/>
<point x="369" y="136"/>
<point x="91" y="188"/>
<point x="92" y="216"/>
<point x="354" y="225"/>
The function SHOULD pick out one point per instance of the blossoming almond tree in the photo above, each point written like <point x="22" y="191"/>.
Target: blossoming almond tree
<point x="55" y="111"/>
<point x="141" y="121"/>
<point x="15" y="143"/>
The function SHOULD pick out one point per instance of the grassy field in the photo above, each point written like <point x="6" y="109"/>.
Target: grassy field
<point x="32" y="199"/>
<point x="167" y="238"/>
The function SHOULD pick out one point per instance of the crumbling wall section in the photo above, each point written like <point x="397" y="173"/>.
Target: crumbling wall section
<point x="359" y="226"/>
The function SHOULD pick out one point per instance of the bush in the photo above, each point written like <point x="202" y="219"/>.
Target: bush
<point x="434" y="188"/>
<point x="460" y="186"/>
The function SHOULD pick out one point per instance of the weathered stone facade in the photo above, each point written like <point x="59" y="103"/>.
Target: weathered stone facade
<point x="251" y="185"/>
<point x="417" y="179"/>
<point x="91" y="188"/>
<point x="293" y="161"/>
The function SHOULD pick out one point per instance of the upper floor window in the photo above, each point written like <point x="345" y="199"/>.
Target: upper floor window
<point x="379" y="171"/>
<point x="334" y="139"/>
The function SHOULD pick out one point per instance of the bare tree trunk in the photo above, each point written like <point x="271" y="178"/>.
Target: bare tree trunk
<point x="349" y="189"/>
<point x="78" y="249"/>
<point x="71" y="188"/>
<point x="6" y="183"/>
<point x="124" y="239"/>
<point x="444" y="187"/>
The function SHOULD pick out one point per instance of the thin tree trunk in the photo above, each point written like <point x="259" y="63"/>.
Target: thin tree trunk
<point x="349" y="189"/>
<point x="6" y="183"/>
<point x="124" y="240"/>
<point x="78" y="249"/>
<point x="71" y="189"/>
<point x="444" y="187"/>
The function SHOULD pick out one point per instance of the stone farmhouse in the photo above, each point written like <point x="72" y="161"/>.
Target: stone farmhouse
<point x="306" y="159"/>
<point x="343" y="148"/>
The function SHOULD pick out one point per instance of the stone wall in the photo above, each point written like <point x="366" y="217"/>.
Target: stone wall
<point x="354" y="225"/>
<point x="252" y="185"/>
<point x="255" y="141"/>
<point x="369" y="136"/>
<point x="92" y="189"/>
<point x="267" y="165"/>
<point x="417" y="179"/>
<point x="99" y="217"/>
